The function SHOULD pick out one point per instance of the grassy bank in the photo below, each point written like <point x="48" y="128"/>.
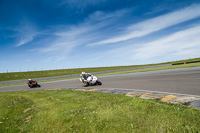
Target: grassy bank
<point x="40" y="74"/>
<point x="74" y="111"/>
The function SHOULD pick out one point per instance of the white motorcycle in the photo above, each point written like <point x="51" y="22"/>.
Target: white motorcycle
<point x="92" y="80"/>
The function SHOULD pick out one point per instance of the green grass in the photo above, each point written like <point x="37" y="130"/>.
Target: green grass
<point x="40" y="74"/>
<point x="64" y="111"/>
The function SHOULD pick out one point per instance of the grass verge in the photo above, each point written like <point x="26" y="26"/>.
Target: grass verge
<point x="76" y="111"/>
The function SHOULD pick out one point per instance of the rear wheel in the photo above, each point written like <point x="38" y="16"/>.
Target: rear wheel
<point x="99" y="82"/>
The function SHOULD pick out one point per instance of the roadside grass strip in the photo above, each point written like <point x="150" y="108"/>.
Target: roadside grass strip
<point x="62" y="111"/>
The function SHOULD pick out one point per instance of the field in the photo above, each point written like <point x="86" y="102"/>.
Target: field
<point x="40" y="74"/>
<point x="74" y="111"/>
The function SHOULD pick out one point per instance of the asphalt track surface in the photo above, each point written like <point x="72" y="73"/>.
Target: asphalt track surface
<point x="181" y="81"/>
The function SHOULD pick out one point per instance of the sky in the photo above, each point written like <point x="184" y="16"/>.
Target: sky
<point x="61" y="34"/>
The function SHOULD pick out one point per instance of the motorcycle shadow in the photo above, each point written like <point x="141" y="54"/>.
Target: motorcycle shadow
<point x="34" y="86"/>
<point x="97" y="84"/>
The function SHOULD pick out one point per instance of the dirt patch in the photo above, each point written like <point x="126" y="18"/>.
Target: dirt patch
<point x="28" y="119"/>
<point x="26" y="110"/>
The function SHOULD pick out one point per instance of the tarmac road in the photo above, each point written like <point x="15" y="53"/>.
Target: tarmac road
<point x="181" y="81"/>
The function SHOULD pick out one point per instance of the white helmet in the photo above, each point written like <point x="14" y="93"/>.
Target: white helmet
<point x="83" y="73"/>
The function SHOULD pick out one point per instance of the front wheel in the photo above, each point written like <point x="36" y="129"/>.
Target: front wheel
<point x="30" y="86"/>
<point x="99" y="82"/>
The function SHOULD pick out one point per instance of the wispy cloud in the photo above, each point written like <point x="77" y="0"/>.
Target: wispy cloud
<point x="52" y="59"/>
<point x="155" y="24"/>
<point x="180" y="44"/>
<point x="68" y="38"/>
<point x="80" y="5"/>
<point x="25" y="34"/>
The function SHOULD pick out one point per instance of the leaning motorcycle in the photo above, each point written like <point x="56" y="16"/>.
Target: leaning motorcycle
<point x="92" y="80"/>
<point x="34" y="84"/>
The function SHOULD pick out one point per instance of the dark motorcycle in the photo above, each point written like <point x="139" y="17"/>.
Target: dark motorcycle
<point x="33" y="84"/>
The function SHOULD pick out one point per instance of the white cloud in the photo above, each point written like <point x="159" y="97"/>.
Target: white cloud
<point x="180" y="41"/>
<point x="81" y="4"/>
<point x="25" y="39"/>
<point x="155" y="24"/>
<point x="184" y="43"/>
<point x="25" y="33"/>
<point x="68" y="38"/>
<point x="65" y="42"/>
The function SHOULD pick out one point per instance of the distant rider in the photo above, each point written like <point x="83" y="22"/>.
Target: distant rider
<point x="30" y="81"/>
<point x="84" y="77"/>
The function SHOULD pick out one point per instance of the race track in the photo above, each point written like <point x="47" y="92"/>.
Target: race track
<point x="182" y="81"/>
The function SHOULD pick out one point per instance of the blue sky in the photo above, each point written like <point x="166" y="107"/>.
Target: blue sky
<point x="57" y="34"/>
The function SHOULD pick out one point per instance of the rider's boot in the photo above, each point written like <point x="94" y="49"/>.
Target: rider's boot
<point x="85" y="85"/>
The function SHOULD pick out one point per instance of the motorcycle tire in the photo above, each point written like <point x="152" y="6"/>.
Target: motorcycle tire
<point x="38" y="85"/>
<point x="99" y="82"/>
<point x="30" y="86"/>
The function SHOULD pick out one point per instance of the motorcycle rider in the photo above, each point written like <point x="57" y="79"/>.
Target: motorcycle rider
<point x="84" y="77"/>
<point x="30" y="81"/>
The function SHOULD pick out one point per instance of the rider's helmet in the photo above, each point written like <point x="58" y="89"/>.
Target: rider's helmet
<point x="83" y="73"/>
<point x="30" y="80"/>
